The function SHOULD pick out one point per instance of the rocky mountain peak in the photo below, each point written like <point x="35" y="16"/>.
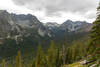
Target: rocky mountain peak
<point x="52" y="24"/>
<point x="74" y="25"/>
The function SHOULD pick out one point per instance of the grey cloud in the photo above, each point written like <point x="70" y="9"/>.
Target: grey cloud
<point x="53" y="7"/>
<point x="91" y="15"/>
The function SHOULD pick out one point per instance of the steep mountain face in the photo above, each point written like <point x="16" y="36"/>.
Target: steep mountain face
<point x="26" y="20"/>
<point x="20" y="23"/>
<point x="30" y="22"/>
<point x="7" y="25"/>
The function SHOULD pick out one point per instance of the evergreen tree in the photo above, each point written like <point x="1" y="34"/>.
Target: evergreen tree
<point x="10" y="65"/>
<point x="58" y="59"/>
<point x="51" y="60"/>
<point x="70" y="55"/>
<point x="3" y="63"/>
<point x="18" y="60"/>
<point x="95" y="32"/>
<point x="33" y="63"/>
<point x="95" y="37"/>
<point x="39" y="58"/>
<point x="64" y="54"/>
<point x="67" y="55"/>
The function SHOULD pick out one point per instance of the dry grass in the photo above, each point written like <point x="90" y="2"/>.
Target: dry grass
<point x="77" y="64"/>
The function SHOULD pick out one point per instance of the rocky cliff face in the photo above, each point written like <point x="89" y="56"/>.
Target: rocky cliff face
<point x="6" y="24"/>
<point x="18" y="26"/>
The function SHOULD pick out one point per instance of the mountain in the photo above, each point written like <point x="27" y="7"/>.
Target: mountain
<point x="24" y="32"/>
<point x="6" y="24"/>
<point x="51" y="24"/>
<point x="30" y="22"/>
<point x="15" y="26"/>
<point x="76" y="26"/>
<point x="26" y="20"/>
<point x="21" y="24"/>
<point x="69" y="28"/>
<point x="8" y="27"/>
<point x="20" y="32"/>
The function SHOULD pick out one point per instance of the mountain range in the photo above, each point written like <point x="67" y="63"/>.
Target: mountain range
<point x="25" y="30"/>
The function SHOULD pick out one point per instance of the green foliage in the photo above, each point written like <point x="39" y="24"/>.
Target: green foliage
<point x="54" y="57"/>
<point x="77" y="64"/>
<point x="51" y="55"/>
<point x="10" y="65"/>
<point x="76" y="52"/>
<point x="95" y="36"/>
<point x="40" y="59"/>
<point x="3" y="63"/>
<point x="18" y="60"/>
<point x="94" y="45"/>
<point x="58" y="58"/>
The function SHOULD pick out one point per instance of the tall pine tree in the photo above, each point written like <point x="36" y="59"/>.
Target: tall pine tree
<point x="3" y="63"/>
<point x="51" y="60"/>
<point x="18" y="60"/>
<point x="39" y="58"/>
<point x="95" y="32"/>
<point x="58" y="58"/>
<point x="95" y="37"/>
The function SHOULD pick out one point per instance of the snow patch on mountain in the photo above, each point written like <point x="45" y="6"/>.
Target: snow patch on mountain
<point x="41" y="32"/>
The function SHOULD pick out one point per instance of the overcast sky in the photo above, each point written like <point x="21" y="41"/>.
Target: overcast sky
<point x="53" y="10"/>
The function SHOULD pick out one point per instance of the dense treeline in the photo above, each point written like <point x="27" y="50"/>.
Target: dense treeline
<point x="53" y="57"/>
